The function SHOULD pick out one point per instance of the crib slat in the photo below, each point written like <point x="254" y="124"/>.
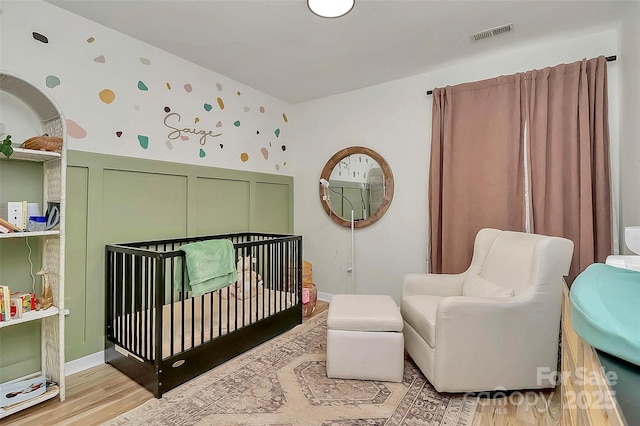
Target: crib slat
<point x="137" y="296"/>
<point x="147" y="353"/>
<point x="159" y="302"/>
<point x="119" y="295"/>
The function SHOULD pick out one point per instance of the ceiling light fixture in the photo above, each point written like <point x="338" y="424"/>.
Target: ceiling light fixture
<point x="330" y="8"/>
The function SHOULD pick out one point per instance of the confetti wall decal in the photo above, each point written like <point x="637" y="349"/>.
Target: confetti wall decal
<point x="52" y="81"/>
<point x="137" y="117"/>
<point x="39" y="37"/>
<point x="74" y="130"/>
<point x="107" y="96"/>
<point x="143" y="141"/>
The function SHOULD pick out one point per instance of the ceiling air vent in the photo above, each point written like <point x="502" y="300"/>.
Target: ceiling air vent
<point x="491" y="32"/>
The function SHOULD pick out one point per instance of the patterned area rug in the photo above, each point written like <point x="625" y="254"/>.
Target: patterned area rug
<point x="283" y="382"/>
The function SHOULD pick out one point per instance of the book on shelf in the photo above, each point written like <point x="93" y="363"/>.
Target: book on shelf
<point x="5" y="304"/>
<point x="10" y="227"/>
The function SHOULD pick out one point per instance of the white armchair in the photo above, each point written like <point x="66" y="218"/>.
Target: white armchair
<point x="495" y="326"/>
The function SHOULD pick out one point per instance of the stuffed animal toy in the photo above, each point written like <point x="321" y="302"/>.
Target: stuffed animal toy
<point x="249" y="281"/>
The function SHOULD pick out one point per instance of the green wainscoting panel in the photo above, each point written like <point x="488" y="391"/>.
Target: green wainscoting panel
<point x="112" y="199"/>
<point x="222" y="206"/>
<point x="140" y="206"/>
<point x="272" y="207"/>
<point x="75" y="299"/>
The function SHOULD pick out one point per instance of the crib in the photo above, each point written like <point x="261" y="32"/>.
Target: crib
<point x="162" y="337"/>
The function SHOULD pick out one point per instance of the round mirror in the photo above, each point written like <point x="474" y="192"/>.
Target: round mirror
<point x="356" y="181"/>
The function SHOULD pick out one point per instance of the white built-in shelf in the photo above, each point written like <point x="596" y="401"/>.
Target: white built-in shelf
<point x="32" y="155"/>
<point x="31" y="316"/>
<point x="51" y="392"/>
<point x="29" y="234"/>
<point x="39" y="108"/>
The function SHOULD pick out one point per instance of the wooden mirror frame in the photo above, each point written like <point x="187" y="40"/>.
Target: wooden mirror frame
<point x="388" y="186"/>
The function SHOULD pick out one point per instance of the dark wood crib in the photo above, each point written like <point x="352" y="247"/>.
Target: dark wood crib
<point x="162" y="337"/>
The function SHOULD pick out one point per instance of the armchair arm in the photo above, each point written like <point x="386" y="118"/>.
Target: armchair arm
<point x="510" y="338"/>
<point x="433" y="284"/>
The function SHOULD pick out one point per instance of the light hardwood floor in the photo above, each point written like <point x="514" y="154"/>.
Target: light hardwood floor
<point x="101" y="393"/>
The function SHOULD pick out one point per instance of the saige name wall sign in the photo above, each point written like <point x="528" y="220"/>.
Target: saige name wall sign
<point x="177" y="132"/>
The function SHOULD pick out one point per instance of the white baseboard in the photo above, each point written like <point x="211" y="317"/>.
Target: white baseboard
<point x="81" y="364"/>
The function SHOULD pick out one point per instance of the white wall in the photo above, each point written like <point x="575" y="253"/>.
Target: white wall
<point x="394" y="119"/>
<point x="82" y="59"/>
<point x="629" y="122"/>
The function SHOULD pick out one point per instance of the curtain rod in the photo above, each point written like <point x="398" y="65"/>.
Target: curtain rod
<point x="608" y="58"/>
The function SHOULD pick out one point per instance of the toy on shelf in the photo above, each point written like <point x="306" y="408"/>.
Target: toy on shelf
<point x="46" y="301"/>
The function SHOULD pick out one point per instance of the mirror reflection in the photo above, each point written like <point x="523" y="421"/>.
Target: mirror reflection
<point x="358" y="179"/>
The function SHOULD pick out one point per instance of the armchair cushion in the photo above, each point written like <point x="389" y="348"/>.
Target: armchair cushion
<point x="420" y="311"/>
<point x="476" y="286"/>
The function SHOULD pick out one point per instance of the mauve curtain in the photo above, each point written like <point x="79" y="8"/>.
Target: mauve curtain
<point x="476" y="176"/>
<point x="568" y="145"/>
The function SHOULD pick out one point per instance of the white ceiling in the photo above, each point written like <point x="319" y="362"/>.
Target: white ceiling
<point x="279" y="47"/>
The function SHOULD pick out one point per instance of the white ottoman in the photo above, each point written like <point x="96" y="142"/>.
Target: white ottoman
<point x="364" y="338"/>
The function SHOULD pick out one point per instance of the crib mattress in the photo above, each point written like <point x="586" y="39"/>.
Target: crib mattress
<point x="189" y="323"/>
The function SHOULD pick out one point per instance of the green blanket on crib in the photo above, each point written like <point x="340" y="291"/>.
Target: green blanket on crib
<point x="210" y="266"/>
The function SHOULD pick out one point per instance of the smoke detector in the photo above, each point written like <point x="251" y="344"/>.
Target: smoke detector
<point x="491" y="32"/>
